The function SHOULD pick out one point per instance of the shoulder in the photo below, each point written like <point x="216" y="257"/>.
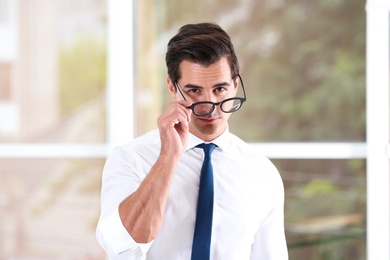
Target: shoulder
<point x="150" y="138"/>
<point x="245" y="149"/>
<point x="147" y="144"/>
<point x="252" y="156"/>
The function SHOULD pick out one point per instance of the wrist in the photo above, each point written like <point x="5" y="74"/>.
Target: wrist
<point x="169" y="156"/>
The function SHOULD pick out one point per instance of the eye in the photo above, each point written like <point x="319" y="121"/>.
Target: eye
<point x="193" y="90"/>
<point x="220" y="89"/>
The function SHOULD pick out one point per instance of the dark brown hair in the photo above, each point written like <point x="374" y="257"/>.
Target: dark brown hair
<point x="203" y="43"/>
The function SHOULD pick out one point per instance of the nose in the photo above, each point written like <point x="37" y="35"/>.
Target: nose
<point x="210" y="96"/>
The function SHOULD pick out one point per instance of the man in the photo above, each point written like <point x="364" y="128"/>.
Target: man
<point x="151" y="185"/>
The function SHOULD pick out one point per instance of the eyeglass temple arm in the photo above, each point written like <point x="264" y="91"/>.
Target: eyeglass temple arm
<point x="242" y="84"/>
<point x="180" y="93"/>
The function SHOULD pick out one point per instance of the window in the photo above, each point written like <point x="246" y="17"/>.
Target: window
<point x="310" y="106"/>
<point x="52" y="127"/>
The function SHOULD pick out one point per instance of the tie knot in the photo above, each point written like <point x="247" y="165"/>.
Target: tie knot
<point x="207" y="148"/>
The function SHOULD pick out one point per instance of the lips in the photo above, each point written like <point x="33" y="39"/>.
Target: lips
<point x="208" y="120"/>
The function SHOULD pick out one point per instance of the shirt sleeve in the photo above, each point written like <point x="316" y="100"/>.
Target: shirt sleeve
<point x="270" y="240"/>
<point x="116" y="241"/>
<point x="121" y="177"/>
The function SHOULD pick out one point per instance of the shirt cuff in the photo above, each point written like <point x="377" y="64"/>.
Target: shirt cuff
<point x="117" y="237"/>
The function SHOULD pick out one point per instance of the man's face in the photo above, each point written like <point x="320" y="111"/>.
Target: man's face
<point x="213" y="83"/>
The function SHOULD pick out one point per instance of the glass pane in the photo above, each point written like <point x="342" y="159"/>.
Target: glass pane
<point x="49" y="208"/>
<point x="303" y="64"/>
<point x="325" y="208"/>
<point x="52" y="70"/>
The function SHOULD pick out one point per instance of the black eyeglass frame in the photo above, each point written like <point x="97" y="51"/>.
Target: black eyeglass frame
<point x="214" y="104"/>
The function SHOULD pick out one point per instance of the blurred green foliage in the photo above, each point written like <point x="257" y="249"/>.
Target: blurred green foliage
<point x="82" y="72"/>
<point x="325" y="188"/>
<point x="306" y="76"/>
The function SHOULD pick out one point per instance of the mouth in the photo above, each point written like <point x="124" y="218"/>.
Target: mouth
<point x="208" y="120"/>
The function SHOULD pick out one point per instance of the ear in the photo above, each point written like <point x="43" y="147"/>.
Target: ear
<point x="172" y="88"/>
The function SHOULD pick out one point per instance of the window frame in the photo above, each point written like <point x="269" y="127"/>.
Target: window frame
<point x="377" y="128"/>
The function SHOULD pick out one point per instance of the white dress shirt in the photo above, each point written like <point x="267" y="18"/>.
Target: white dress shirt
<point x="248" y="219"/>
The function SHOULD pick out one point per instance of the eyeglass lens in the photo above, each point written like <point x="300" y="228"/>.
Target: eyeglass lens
<point x="206" y="108"/>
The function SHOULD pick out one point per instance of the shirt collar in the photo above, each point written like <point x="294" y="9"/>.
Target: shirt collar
<point x="221" y="141"/>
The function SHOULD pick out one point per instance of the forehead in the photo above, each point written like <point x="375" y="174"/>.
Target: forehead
<point x="196" y="73"/>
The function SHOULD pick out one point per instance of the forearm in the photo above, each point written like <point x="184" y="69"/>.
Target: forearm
<point x="142" y="212"/>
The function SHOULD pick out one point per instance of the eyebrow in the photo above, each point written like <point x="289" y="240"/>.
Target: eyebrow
<point x="221" y="84"/>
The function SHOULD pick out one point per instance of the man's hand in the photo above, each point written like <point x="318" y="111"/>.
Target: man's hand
<point x="174" y="127"/>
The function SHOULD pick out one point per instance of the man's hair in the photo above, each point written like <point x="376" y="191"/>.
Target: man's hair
<point x="202" y="43"/>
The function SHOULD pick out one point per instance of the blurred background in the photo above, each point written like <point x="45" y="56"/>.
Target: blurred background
<point x="303" y="64"/>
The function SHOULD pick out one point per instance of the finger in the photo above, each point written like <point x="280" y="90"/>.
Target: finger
<point x="183" y="113"/>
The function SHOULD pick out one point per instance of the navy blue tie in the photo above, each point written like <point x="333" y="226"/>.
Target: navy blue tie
<point x="204" y="213"/>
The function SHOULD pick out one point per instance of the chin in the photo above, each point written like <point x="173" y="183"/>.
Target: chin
<point x="208" y="132"/>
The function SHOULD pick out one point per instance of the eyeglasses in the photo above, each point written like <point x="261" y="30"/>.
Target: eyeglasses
<point x="205" y="108"/>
